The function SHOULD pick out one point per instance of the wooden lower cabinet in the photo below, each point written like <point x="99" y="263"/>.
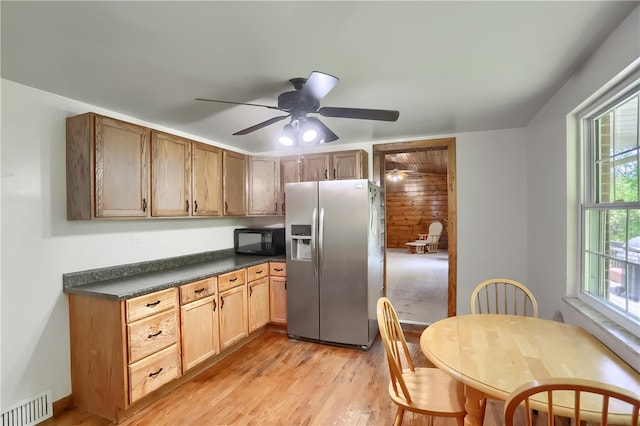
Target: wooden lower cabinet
<point x="278" y="292"/>
<point x="233" y="307"/>
<point x="199" y="324"/>
<point x="151" y="372"/>
<point x="258" y="303"/>
<point x="122" y="350"/>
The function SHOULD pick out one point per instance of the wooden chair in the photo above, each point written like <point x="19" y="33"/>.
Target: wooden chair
<point x="552" y="393"/>
<point x="503" y="296"/>
<point x="428" y="391"/>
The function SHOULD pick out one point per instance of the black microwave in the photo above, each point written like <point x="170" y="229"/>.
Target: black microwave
<point x="259" y="241"/>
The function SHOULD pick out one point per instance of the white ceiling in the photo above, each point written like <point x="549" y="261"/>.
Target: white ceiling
<point x="446" y="66"/>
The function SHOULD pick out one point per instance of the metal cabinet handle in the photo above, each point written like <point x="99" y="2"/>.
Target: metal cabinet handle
<point x="187" y="204"/>
<point x="250" y="291"/>
<point x="215" y="305"/>
<point x="325" y="173"/>
<point x="334" y="174"/>
<point x="226" y="207"/>
<point x="144" y="205"/>
<point x="195" y="206"/>
<point x="151" y="336"/>
<point x="150" y="305"/>
<point x="233" y="279"/>
<point x="278" y="269"/>
<point x="156" y="373"/>
<point x="198" y="291"/>
<point x="221" y="302"/>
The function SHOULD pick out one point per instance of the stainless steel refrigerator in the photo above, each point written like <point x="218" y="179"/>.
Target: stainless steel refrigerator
<point x="334" y="252"/>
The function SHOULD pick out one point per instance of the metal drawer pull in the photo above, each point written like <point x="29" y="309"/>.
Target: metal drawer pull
<point x="200" y="290"/>
<point x="149" y="305"/>
<point x="221" y="302"/>
<point x="278" y="269"/>
<point x="155" y="335"/>
<point x="156" y="373"/>
<point x="234" y="279"/>
<point x="259" y="272"/>
<point x="215" y="305"/>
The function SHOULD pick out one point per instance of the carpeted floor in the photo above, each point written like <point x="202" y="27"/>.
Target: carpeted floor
<point x="417" y="285"/>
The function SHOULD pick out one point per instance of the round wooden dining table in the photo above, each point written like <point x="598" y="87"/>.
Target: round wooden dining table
<point x="494" y="354"/>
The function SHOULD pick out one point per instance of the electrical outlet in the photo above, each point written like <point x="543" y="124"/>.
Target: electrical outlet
<point x="136" y="241"/>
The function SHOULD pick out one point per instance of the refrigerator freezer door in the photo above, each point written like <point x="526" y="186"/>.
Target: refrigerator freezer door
<point x="343" y="267"/>
<point x="303" y="316"/>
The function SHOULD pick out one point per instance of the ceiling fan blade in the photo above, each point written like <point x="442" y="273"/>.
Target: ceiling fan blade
<point x="261" y="125"/>
<point x="329" y="136"/>
<point x="319" y="84"/>
<point x="240" y="103"/>
<point x="360" y="113"/>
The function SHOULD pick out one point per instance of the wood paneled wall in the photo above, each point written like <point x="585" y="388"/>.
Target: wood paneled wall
<point x="412" y="203"/>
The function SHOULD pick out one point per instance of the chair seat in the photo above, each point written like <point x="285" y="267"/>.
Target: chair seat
<point x="433" y="392"/>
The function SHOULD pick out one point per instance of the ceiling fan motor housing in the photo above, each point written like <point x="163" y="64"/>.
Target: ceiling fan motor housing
<point x="297" y="100"/>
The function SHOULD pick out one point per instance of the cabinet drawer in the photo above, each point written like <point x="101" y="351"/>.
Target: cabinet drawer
<point x="258" y="271"/>
<point x="152" y="372"/>
<point x="278" y="269"/>
<point x="149" y="304"/>
<point x="151" y="334"/>
<point x="232" y="279"/>
<point x="198" y="290"/>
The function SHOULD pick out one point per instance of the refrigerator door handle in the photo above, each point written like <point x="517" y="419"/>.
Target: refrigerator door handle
<point x="313" y="242"/>
<point x="321" y="243"/>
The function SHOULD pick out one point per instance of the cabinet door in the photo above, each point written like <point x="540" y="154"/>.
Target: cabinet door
<point x="258" y="303"/>
<point x="289" y="172"/>
<point x="233" y="316"/>
<point x="315" y="167"/>
<point x="234" y="190"/>
<point x="170" y="175"/>
<point x="121" y="169"/>
<point x="278" y="300"/>
<point x="264" y="185"/>
<point x="199" y="331"/>
<point x="206" y="161"/>
<point x="349" y="165"/>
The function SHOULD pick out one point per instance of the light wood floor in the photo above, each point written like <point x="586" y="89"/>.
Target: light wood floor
<point x="274" y="380"/>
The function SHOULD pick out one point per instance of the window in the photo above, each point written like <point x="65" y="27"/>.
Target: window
<point x="610" y="207"/>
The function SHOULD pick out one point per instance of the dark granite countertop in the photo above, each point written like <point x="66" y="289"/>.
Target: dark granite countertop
<point x="127" y="281"/>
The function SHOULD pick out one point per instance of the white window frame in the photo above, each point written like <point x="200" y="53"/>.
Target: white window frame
<point x="593" y="109"/>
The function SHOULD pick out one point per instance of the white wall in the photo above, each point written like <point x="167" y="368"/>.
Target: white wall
<point x="39" y="244"/>
<point x="492" y="209"/>
<point x="552" y="223"/>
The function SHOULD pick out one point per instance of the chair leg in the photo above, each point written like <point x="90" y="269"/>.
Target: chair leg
<point x="399" y="416"/>
<point x="460" y="421"/>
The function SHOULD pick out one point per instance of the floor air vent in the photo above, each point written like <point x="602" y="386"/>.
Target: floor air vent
<point x="29" y="412"/>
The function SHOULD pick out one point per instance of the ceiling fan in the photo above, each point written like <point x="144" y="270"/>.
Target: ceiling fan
<point x="305" y="100"/>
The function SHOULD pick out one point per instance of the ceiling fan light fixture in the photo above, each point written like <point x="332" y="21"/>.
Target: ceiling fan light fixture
<point x="288" y="136"/>
<point x="309" y="133"/>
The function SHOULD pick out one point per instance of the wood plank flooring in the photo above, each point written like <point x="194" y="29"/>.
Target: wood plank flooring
<point x="274" y="380"/>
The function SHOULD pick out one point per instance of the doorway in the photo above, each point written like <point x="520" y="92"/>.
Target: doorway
<point x="415" y="263"/>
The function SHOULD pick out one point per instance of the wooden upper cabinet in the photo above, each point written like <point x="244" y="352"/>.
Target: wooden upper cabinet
<point x="349" y="165"/>
<point x="264" y="185"/>
<point x="289" y="172"/>
<point x="315" y="167"/>
<point x="107" y="168"/>
<point x="206" y="163"/>
<point x="335" y="165"/>
<point x="170" y="175"/>
<point x="234" y="175"/>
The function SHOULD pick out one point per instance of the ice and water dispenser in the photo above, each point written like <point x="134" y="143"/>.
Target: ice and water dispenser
<point x="301" y="242"/>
